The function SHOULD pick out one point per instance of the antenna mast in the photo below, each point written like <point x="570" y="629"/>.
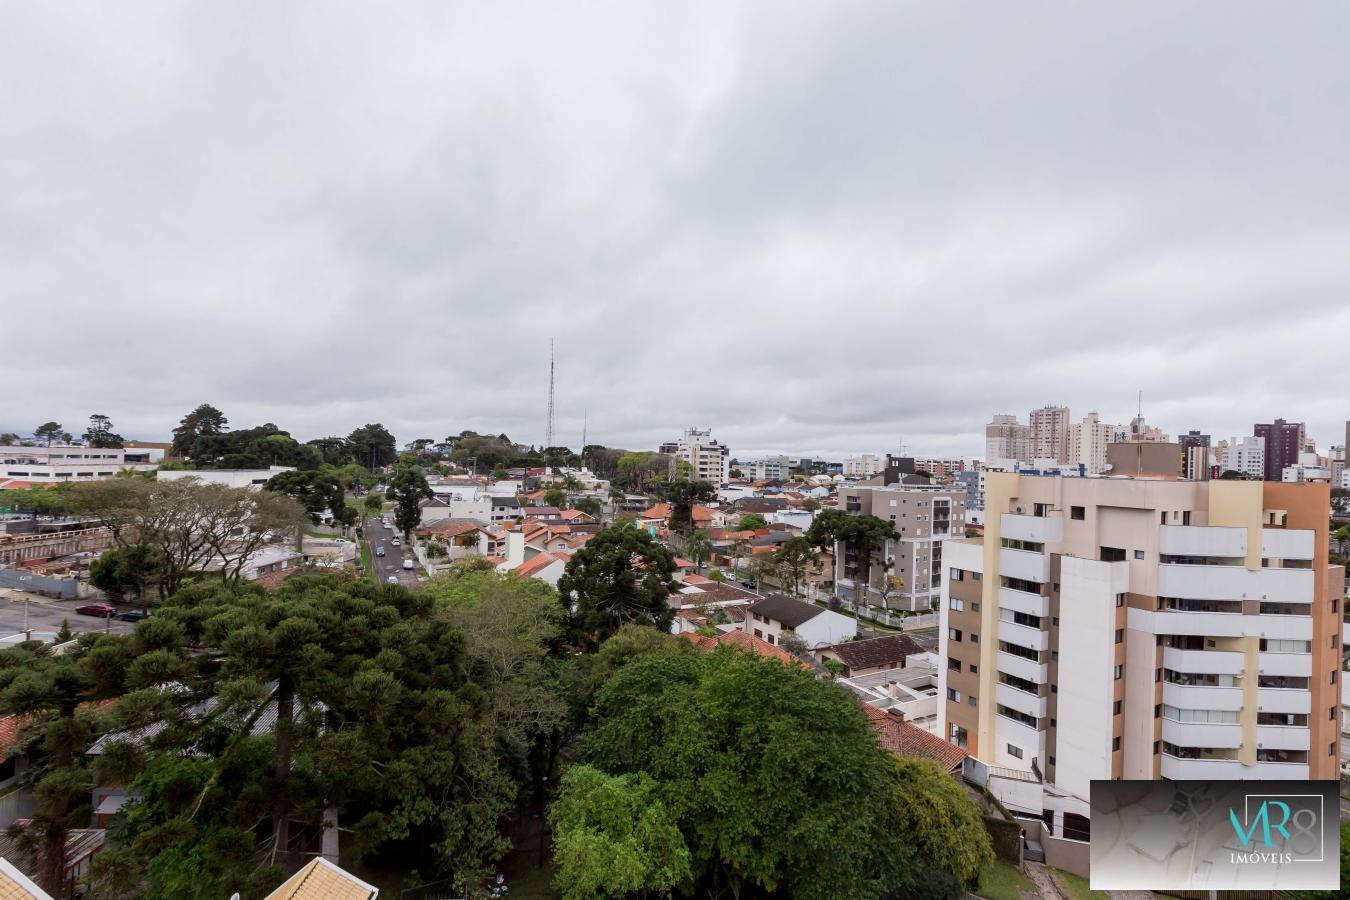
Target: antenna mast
<point x="548" y="432"/>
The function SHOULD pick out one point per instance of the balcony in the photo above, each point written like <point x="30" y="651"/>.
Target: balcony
<point x="1178" y="769"/>
<point x="1285" y="543"/>
<point x="1208" y="662"/>
<point x="1021" y="601"/>
<point x="1202" y="540"/>
<point x="1196" y="734"/>
<point x="1023" y="636"/>
<point x="1287" y="628"/>
<point x="1020" y="733"/>
<point x="1273" y="771"/>
<point x="1024" y="564"/>
<point x="1185" y="696"/>
<point x="1031" y="670"/>
<point x="1282" y="737"/>
<point x="1285" y="664"/>
<point x="1198" y="624"/>
<point x="1020" y="700"/>
<point x="1235" y="583"/>
<point x="1283" y="700"/>
<point x="1040" y="529"/>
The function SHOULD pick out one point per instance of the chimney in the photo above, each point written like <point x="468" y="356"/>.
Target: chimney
<point x="895" y="713"/>
<point x="893" y="689"/>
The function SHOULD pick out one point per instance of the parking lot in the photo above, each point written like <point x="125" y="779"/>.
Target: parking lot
<point x="45" y="614"/>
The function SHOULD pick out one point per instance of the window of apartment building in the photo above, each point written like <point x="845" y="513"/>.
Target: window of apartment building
<point x="958" y="605"/>
<point x="1157" y="747"/>
<point x="1077" y="512"/>
<point x="953" y="695"/>
<point x="1014" y="751"/>
<point x="1054" y="620"/>
<point x="1157" y="711"/>
<point x="953" y="634"/>
<point x="1054" y="689"/>
<point x="1111" y="554"/>
<point x="1117" y="672"/>
<point x="758" y="633"/>
<point x="1040" y="510"/>
<point x="1115" y="708"/>
<point x="1052" y="760"/>
<point x="1115" y="744"/>
<point x="971" y="700"/>
<point x="976" y="576"/>
<point x="1333" y="676"/>
<point x="892" y="517"/>
<point x="974" y="606"/>
<point x="1186" y="517"/>
<point x="1120" y="635"/>
<point x="974" y="668"/>
<point x="974" y="638"/>
<point x="1054" y="723"/>
<point x="954" y="664"/>
<point x="1120" y="600"/>
<point x="1164" y="517"/>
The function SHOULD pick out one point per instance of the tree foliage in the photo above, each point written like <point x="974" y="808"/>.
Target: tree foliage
<point x="614" y="837"/>
<point x="372" y="446"/>
<point x="621" y="575"/>
<point x="200" y="435"/>
<point x="774" y="779"/>
<point x="100" y="433"/>
<point x="317" y="492"/>
<point x="128" y="574"/>
<point x="751" y="522"/>
<point x="407" y="489"/>
<point x="49" y="432"/>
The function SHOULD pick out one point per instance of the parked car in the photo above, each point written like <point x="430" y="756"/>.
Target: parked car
<point x="396" y="542"/>
<point x="134" y="615"/>
<point x="407" y="564"/>
<point x="379" y="551"/>
<point x="100" y="610"/>
<point x="392" y="579"/>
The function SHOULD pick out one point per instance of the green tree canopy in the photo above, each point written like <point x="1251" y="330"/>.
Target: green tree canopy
<point x="621" y="575"/>
<point x="128" y="574"/>
<point x="100" y="432"/>
<point x="614" y="837"/>
<point x="200" y="435"/>
<point x="49" y="432"/>
<point x="751" y="522"/>
<point x="372" y="446"/>
<point x="407" y="489"/>
<point x="775" y="779"/>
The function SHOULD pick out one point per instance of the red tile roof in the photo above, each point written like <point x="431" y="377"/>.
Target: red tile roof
<point x="743" y="641"/>
<point x="907" y="739"/>
<point x="535" y="565"/>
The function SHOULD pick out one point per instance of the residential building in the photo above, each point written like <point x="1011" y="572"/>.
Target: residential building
<point x="778" y="616"/>
<point x="235" y="478"/>
<point x="864" y="465"/>
<point x="1308" y="468"/>
<point x="1245" y="455"/>
<point x="62" y="463"/>
<point x="873" y="655"/>
<point x="709" y="459"/>
<point x="320" y="879"/>
<point x="770" y="468"/>
<point x="1284" y="442"/>
<point x="1336" y="462"/>
<point x="910" y="693"/>
<point x="1050" y="433"/>
<point x="1188" y="630"/>
<point x="1194" y="455"/>
<point x="940" y="469"/>
<point x="1087" y="443"/>
<point x="972" y="481"/>
<point x="924" y="517"/>
<point x="1006" y="438"/>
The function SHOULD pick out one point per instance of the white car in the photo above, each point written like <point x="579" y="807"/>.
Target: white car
<point x="396" y="542"/>
<point x="392" y="579"/>
<point x="407" y="564"/>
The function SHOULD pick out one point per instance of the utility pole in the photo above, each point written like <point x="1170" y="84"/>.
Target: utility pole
<point x="548" y="431"/>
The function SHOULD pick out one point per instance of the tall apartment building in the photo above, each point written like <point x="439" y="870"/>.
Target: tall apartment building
<point x="1006" y="438"/>
<point x="940" y="468"/>
<point x="924" y="517"/>
<point x="1194" y="455"/>
<point x="774" y="468"/>
<point x="710" y="459"/>
<point x="1245" y="455"/>
<point x="864" y="465"/>
<point x="1087" y="443"/>
<point x="1284" y="442"/>
<point x="1177" y="629"/>
<point x="1050" y="433"/>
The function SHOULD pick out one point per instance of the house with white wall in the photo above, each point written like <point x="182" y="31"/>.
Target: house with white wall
<point x="778" y="616"/>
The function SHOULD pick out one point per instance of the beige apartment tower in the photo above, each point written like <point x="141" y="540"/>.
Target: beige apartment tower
<point x="1144" y="627"/>
<point x="1050" y="433"/>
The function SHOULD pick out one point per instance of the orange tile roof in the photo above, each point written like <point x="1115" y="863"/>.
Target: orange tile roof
<point x="697" y="579"/>
<point x="535" y="564"/>
<point x="907" y="739"/>
<point x="743" y="641"/>
<point x="321" y="880"/>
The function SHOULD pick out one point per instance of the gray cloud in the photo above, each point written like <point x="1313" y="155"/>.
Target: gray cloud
<point x="825" y="227"/>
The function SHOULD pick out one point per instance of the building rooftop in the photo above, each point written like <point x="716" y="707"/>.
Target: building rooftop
<point x="787" y="610"/>
<point x="321" y="880"/>
<point x="883" y="651"/>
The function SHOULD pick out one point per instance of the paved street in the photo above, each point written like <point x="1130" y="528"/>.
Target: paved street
<point x="45" y="614"/>
<point x="392" y="562"/>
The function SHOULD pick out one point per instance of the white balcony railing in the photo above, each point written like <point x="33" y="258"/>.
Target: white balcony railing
<point x="1283" y="700"/>
<point x="1282" y="737"/>
<point x="1197" y="734"/>
<point x="1178" y="769"/>
<point x="1020" y="700"/>
<point x="1024" y="564"/>
<point x="1040" y="529"/>
<point x="1299" y="664"/>
<point x="1023" y="602"/>
<point x="1030" y="670"/>
<point x="1023" y="636"/>
<point x="1202" y="540"/>
<point x="1235" y="583"/>
<point x="1207" y="662"/>
<point x="1185" y="696"/>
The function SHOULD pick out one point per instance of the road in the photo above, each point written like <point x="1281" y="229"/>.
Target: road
<point x="392" y="562"/>
<point x="45" y="614"/>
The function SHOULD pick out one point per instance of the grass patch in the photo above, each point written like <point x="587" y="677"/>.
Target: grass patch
<point x="1078" y="886"/>
<point x="367" y="563"/>
<point x="1001" y="881"/>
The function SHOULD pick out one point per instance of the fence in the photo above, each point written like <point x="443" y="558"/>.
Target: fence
<point x="65" y="588"/>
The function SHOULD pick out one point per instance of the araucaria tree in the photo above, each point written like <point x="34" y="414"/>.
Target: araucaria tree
<point x="621" y="575"/>
<point x="861" y="537"/>
<point x="100" y="432"/>
<point x="407" y="489"/>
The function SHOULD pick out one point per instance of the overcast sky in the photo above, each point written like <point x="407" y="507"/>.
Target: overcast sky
<point x="828" y="227"/>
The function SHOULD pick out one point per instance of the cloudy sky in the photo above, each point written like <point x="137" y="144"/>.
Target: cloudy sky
<point x="826" y="227"/>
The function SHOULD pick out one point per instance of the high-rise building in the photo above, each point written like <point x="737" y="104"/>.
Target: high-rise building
<point x="1050" y="433"/>
<point x="709" y="459"/>
<point x="923" y="517"/>
<point x="1284" y="442"/>
<point x="1245" y="455"/>
<point x="1139" y="628"/>
<point x="1336" y="462"/>
<point x="864" y="465"/>
<point x="1006" y="438"/>
<point x="1194" y="455"/>
<point x="1087" y="443"/>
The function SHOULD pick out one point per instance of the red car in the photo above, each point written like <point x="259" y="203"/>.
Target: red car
<point x="101" y="610"/>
